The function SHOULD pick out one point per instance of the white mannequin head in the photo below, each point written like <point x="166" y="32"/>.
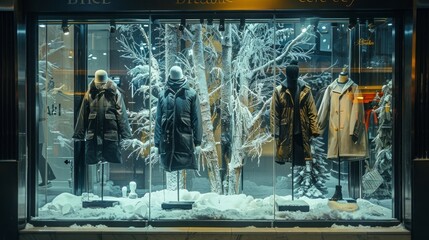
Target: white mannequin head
<point x="175" y="73"/>
<point x="101" y="76"/>
<point x="133" y="186"/>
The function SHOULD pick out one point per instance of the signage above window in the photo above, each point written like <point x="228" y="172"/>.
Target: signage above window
<point x="6" y="5"/>
<point x="208" y="5"/>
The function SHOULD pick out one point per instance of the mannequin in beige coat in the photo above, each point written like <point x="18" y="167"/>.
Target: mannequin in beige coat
<point x="342" y="114"/>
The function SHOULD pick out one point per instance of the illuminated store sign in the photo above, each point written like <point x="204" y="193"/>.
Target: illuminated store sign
<point x="203" y="1"/>
<point x="85" y="2"/>
<point x="347" y="3"/>
<point x="365" y="42"/>
<point x="208" y="5"/>
<point x="6" y="5"/>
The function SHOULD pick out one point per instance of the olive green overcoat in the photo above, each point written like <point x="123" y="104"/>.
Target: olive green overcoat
<point x="282" y="110"/>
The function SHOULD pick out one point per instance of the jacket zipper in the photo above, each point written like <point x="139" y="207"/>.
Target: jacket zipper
<point x="174" y="127"/>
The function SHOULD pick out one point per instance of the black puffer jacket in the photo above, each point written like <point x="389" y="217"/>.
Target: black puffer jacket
<point x="178" y="127"/>
<point x="103" y="123"/>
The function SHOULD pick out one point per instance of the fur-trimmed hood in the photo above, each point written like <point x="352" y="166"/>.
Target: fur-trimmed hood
<point x="109" y="86"/>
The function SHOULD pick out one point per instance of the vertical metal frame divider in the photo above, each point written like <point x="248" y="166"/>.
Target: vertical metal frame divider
<point x="150" y="125"/>
<point x="399" y="147"/>
<point x="32" y="131"/>
<point x="274" y="19"/>
<point x="80" y="86"/>
<point x="408" y="112"/>
<point x="21" y="71"/>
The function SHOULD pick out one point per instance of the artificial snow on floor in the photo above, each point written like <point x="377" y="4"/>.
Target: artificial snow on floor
<point x="207" y="206"/>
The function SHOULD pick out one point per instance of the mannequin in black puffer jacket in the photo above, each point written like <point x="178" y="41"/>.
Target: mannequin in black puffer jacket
<point x="178" y="130"/>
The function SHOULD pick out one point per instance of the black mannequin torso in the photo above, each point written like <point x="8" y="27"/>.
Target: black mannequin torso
<point x="343" y="78"/>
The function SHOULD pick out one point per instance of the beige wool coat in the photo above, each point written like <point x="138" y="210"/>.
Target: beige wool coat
<point x="342" y="114"/>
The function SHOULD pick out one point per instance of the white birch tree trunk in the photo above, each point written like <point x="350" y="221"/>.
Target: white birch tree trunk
<point x="236" y="162"/>
<point x="209" y="143"/>
<point x="238" y="154"/>
<point x="171" y="47"/>
<point x="226" y="107"/>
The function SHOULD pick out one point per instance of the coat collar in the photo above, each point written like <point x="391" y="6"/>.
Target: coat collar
<point x="303" y="87"/>
<point x="301" y="84"/>
<point x="185" y="86"/>
<point x="336" y="87"/>
<point x="109" y="86"/>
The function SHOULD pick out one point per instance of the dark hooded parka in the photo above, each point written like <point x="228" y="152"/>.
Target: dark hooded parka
<point x="178" y="125"/>
<point x="293" y="119"/>
<point x="102" y="123"/>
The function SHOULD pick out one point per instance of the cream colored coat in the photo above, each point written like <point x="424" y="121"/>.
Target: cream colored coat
<point x="342" y="113"/>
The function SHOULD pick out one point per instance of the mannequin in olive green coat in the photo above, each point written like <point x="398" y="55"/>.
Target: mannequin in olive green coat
<point x="292" y="131"/>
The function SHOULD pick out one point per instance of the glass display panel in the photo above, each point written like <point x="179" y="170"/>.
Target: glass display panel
<point x="196" y="119"/>
<point x="231" y="176"/>
<point x="54" y="112"/>
<point x="348" y="65"/>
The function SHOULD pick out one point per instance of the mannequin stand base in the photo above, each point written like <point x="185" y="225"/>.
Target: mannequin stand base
<point x="292" y="205"/>
<point x="346" y="205"/>
<point x="99" y="204"/>
<point x="348" y="200"/>
<point x="184" y="205"/>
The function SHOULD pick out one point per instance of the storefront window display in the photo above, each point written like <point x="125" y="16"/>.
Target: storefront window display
<point x="198" y="119"/>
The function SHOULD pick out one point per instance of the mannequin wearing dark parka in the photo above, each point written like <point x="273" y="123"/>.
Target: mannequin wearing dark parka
<point x="103" y="121"/>
<point x="293" y="118"/>
<point x="178" y="129"/>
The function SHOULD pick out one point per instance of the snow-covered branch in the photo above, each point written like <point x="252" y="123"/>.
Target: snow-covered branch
<point x="259" y="114"/>
<point x="287" y="50"/>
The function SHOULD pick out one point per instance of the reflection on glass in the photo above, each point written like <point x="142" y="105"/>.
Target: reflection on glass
<point x="54" y="115"/>
<point x="226" y="164"/>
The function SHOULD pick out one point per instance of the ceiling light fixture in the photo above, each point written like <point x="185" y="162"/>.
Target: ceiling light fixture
<point x="112" y="26"/>
<point x="242" y="24"/>
<point x="221" y="24"/>
<point x="65" y="27"/>
<point x="352" y="23"/>
<point x="182" y="24"/>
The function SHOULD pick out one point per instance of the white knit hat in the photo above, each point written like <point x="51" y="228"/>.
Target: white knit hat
<point x="176" y="73"/>
<point x="101" y="76"/>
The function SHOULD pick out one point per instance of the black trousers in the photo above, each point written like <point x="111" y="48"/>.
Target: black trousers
<point x="44" y="166"/>
<point x="298" y="151"/>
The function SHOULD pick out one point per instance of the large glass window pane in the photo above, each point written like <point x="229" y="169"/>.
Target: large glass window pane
<point x="54" y="111"/>
<point x="373" y="63"/>
<point x="215" y="131"/>
<point x="347" y="63"/>
<point x="107" y="170"/>
<point x="231" y="176"/>
<point x="300" y="168"/>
